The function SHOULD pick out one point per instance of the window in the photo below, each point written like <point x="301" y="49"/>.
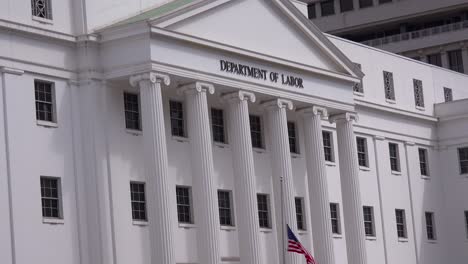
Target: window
<point x="384" y="1"/>
<point x="225" y="210"/>
<point x="138" y="198"/>
<point x="293" y="146"/>
<point x="327" y="7"/>
<point x="263" y="211"/>
<point x="435" y="59"/>
<point x="132" y="111"/>
<point x="455" y="60"/>
<point x="346" y="5"/>
<point x="300" y="213"/>
<point x="463" y="157"/>
<point x="184" y="204"/>
<point x="311" y="11"/>
<point x="217" y="124"/>
<point x="362" y="151"/>
<point x="358" y="87"/>
<point x="365" y="3"/>
<point x="51" y="197"/>
<point x="466" y="223"/>
<point x="448" y="96"/>
<point x="394" y="157"/>
<point x="42" y="8"/>
<point x="335" y="218"/>
<point x="369" y="221"/>
<point x="388" y="85"/>
<point x="45" y="101"/>
<point x="256" y="131"/>
<point x="430" y="226"/>
<point x="423" y="162"/>
<point x="328" y="146"/>
<point x="177" y="118"/>
<point x="418" y="93"/>
<point x="401" y="223"/>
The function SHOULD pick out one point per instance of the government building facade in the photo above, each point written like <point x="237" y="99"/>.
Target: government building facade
<point x="192" y="131"/>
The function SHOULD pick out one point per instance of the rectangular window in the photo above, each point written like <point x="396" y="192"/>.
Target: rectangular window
<point x="293" y="146"/>
<point x="184" y="204"/>
<point x="327" y="7"/>
<point x="335" y="218"/>
<point x="418" y="93"/>
<point x="256" y="131"/>
<point x="132" y="111"/>
<point x="448" y="95"/>
<point x="176" y="110"/>
<point x="312" y="14"/>
<point x="42" y="8"/>
<point x="365" y="3"/>
<point x="430" y="226"/>
<point x="45" y="100"/>
<point x="225" y="208"/>
<point x="217" y="124"/>
<point x="138" y="199"/>
<point x="346" y="5"/>
<point x="263" y="211"/>
<point x="463" y="158"/>
<point x="300" y="213"/>
<point x="435" y="59"/>
<point x="384" y="1"/>
<point x="401" y="223"/>
<point x="358" y="87"/>
<point x="388" y="85"/>
<point x="51" y="197"/>
<point x="328" y="146"/>
<point x="369" y="226"/>
<point x="423" y="162"/>
<point x="455" y="60"/>
<point x="394" y="157"/>
<point x="466" y="223"/>
<point x="362" y="151"/>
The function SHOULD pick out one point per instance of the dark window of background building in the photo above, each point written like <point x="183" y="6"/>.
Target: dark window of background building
<point x="346" y="5"/>
<point x="384" y="1"/>
<point x="456" y="60"/>
<point x="435" y="59"/>
<point x="311" y="11"/>
<point x="365" y="3"/>
<point x="327" y="7"/>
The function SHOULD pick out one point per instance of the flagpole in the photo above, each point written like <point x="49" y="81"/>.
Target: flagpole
<point x="283" y="246"/>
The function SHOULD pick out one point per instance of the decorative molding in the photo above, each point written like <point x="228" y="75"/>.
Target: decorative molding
<point x="410" y="143"/>
<point x="152" y="77"/>
<point x="240" y="95"/>
<point x="4" y="69"/>
<point x="314" y="110"/>
<point x="344" y="117"/>
<point x="280" y="103"/>
<point x="381" y="138"/>
<point x="196" y="87"/>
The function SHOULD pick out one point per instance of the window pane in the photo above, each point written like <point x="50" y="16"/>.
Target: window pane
<point x="256" y="131"/>
<point x="455" y="60"/>
<point x="138" y="200"/>
<point x="394" y="157"/>
<point x="292" y="137"/>
<point x="217" y="124"/>
<point x="430" y="226"/>
<point x="132" y="111"/>
<point x="435" y="59"/>
<point x="327" y="146"/>
<point x="300" y="213"/>
<point x="448" y="96"/>
<point x="41" y="8"/>
<point x="177" y="118"/>
<point x="418" y="93"/>
<point x="263" y="210"/>
<point x="346" y="5"/>
<point x="365" y="3"/>
<point x="335" y="219"/>
<point x="184" y="211"/>
<point x="362" y="151"/>
<point x="463" y="156"/>
<point x="225" y="211"/>
<point x="369" y="220"/>
<point x="311" y="11"/>
<point x="423" y="165"/>
<point x="388" y="85"/>
<point x="43" y="92"/>
<point x="401" y="223"/>
<point x="50" y="197"/>
<point x="327" y="7"/>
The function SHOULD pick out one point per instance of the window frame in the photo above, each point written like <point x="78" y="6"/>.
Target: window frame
<point x="191" y="220"/>
<point x="300" y="216"/>
<point x="132" y="111"/>
<point x="53" y="101"/>
<point x="293" y="138"/>
<point x="335" y="220"/>
<point x="144" y="202"/>
<point x="463" y="167"/>
<point x="404" y="234"/>
<point x="389" y="86"/>
<point x="349" y="7"/>
<point x="230" y="208"/>
<point x="182" y="119"/>
<point x="418" y="93"/>
<point x="268" y="211"/>
<point x="455" y="60"/>
<point x="330" y="147"/>
<point x="435" y="59"/>
<point x="222" y="126"/>
<point x="59" y="198"/>
<point x="396" y="158"/>
<point x="327" y="4"/>
<point x="431" y="233"/>
<point x="48" y="15"/>
<point x="424" y="162"/>
<point x="370" y="221"/>
<point x="448" y="94"/>
<point x="365" y="152"/>
<point x="259" y="133"/>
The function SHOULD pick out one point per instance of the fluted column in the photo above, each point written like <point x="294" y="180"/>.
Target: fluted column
<point x="318" y="187"/>
<point x="283" y="183"/>
<point x="349" y="174"/>
<point x="244" y="179"/>
<point x="156" y="165"/>
<point x="204" y="190"/>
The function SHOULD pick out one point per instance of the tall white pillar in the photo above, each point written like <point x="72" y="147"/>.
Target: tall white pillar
<point x="283" y="183"/>
<point x="244" y="180"/>
<point x="349" y="174"/>
<point x="156" y="165"/>
<point x="204" y="188"/>
<point x="318" y="187"/>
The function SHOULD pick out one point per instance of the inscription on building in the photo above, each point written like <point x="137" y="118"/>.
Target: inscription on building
<point x="261" y="74"/>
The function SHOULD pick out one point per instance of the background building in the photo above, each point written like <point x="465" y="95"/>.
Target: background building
<point x="431" y="31"/>
<point x="168" y="131"/>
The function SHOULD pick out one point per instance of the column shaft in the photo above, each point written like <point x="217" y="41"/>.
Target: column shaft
<point x="318" y="187"/>
<point x="283" y="183"/>
<point x="204" y="189"/>
<point x="156" y="165"/>
<point x="244" y="177"/>
<point x="349" y="174"/>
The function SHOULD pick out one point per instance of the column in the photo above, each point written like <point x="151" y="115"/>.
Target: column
<point x="318" y="188"/>
<point x="283" y="183"/>
<point x="204" y="188"/>
<point x="156" y="165"/>
<point x="244" y="179"/>
<point x="349" y="174"/>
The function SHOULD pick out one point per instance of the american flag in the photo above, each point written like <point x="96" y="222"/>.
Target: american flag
<point x="295" y="246"/>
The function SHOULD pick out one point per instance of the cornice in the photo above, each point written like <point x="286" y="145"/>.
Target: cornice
<point x="4" y="69"/>
<point x="27" y="29"/>
<point x="375" y="106"/>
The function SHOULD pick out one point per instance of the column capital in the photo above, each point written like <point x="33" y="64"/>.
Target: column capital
<point x="381" y="138"/>
<point x="240" y="95"/>
<point x="196" y="87"/>
<point x="279" y="103"/>
<point x="153" y="77"/>
<point x="348" y="117"/>
<point x="410" y="143"/>
<point x="314" y="111"/>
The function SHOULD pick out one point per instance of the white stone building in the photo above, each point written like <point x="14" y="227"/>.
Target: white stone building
<point x="194" y="131"/>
